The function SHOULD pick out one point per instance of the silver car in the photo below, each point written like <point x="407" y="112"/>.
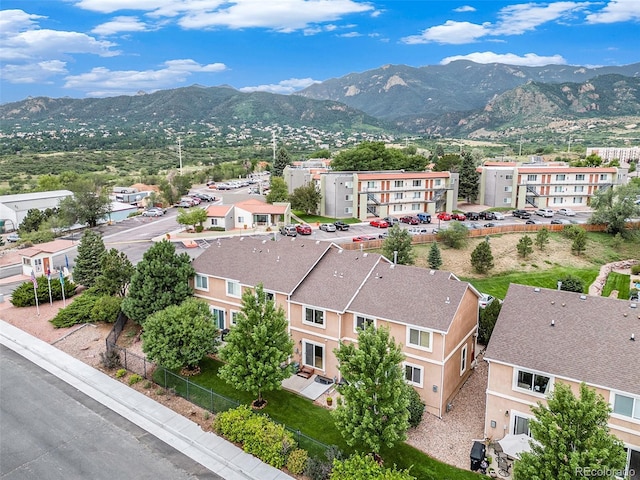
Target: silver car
<point x="328" y="227"/>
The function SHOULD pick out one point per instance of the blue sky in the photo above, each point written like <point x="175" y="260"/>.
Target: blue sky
<point x="97" y="48"/>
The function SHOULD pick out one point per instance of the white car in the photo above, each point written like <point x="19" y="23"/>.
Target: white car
<point x="485" y="300"/>
<point x="418" y="231"/>
<point x="13" y="237"/>
<point x="498" y="216"/>
<point x="545" y="212"/>
<point x="567" y="212"/>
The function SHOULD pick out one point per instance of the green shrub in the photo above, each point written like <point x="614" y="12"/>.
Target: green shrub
<point x="416" y="408"/>
<point x="23" y="295"/>
<point x="199" y="228"/>
<point x="572" y="231"/>
<point x="106" y="309"/>
<point x="297" y="461"/>
<point x="364" y="467"/>
<point x="635" y="269"/>
<point x="231" y="424"/>
<point x="121" y="373"/>
<point x="78" y="312"/>
<point x="135" y="378"/>
<point x="216" y="229"/>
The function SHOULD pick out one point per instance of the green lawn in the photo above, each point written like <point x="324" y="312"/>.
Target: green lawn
<point x="619" y="282"/>
<point x="313" y="219"/>
<point x="301" y="414"/>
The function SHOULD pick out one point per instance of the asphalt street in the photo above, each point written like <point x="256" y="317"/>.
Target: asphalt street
<point x="51" y="431"/>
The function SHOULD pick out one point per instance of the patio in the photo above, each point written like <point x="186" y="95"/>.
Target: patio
<point x="311" y="388"/>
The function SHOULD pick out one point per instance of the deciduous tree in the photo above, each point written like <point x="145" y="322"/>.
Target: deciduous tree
<point x="257" y="347"/>
<point x="89" y="204"/>
<point x="613" y="205"/>
<point x="455" y="236"/>
<point x="161" y="279"/>
<point x="306" y="198"/>
<point x="399" y="240"/>
<point x="374" y="411"/>
<point x="87" y="266"/>
<point x="278" y="191"/>
<point x="571" y="437"/>
<point x="365" y="467"/>
<point x="180" y="335"/>
<point x="482" y="258"/>
<point x="192" y="216"/>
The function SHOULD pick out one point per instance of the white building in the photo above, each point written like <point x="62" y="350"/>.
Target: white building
<point x="13" y="208"/>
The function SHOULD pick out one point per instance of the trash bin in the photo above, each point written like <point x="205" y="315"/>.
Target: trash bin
<point x="477" y="455"/>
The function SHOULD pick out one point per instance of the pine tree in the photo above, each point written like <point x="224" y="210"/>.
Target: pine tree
<point x="571" y="437"/>
<point x="399" y="240"/>
<point x="435" y="257"/>
<point x="257" y="346"/>
<point x="524" y="247"/>
<point x="87" y="264"/>
<point x="542" y="238"/>
<point x="482" y="258"/>
<point x="469" y="178"/>
<point x="283" y="159"/>
<point x="116" y="271"/>
<point x="374" y="411"/>
<point x="579" y="244"/>
<point x="161" y="279"/>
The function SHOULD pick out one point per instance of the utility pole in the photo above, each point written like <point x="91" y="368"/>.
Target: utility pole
<point x="569" y="147"/>
<point x="180" y="153"/>
<point x="520" y="151"/>
<point x="273" y="141"/>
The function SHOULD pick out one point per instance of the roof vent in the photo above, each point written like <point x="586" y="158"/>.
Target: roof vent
<point x="365" y="254"/>
<point x="335" y="273"/>
<point x="564" y="304"/>
<point x="392" y="266"/>
<point x="447" y="301"/>
<point x="317" y="242"/>
<point x="553" y="323"/>
<point x="278" y="259"/>
<point x="340" y="251"/>
<point x="633" y="337"/>
<point x="583" y="297"/>
<point x="553" y="302"/>
<point x="264" y="241"/>
<point x="536" y="289"/>
<point x="241" y="238"/>
<point x="432" y="272"/>
<point x="254" y="249"/>
<point x="633" y="305"/>
<point x="293" y="239"/>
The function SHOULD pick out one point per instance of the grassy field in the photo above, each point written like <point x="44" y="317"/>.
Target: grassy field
<point x="302" y="414"/>
<point x="313" y="219"/>
<point x="619" y="282"/>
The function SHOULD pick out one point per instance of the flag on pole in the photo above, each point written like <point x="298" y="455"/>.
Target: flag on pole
<point x="66" y="261"/>
<point x="34" y="281"/>
<point x="64" y="300"/>
<point x="61" y="279"/>
<point x="48" y="274"/>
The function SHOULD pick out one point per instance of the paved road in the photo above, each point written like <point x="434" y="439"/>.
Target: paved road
<point x="51" y="431"/>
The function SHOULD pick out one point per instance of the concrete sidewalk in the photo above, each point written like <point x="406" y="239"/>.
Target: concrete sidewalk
<point x="208" y="449"/>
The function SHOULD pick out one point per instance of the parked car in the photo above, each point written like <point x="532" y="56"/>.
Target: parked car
<point x="560" y="221"/>
<point x="533" y="222"/>
<point x="472" y="216"/>
<point x="204" y="197"/>
<point x="184" y="204"/>
<point x="153" y="212"/>
<point x="544" y="212"/>
<point x="392" y="220"/>
<point x="485" y="300"/>
<point x="521" y="214"/>
<point x="364" y="238"/>
<point x="487" y="215"/>
<point x="303" y="229"/>
<point x="410" y="219"/>
<point x="418" y="231"/>
<point x="473" y="225"/>
<point x="13" y="237"/>
<point x="341" y="226"/>
<point x="328" y="227"/>
<point x="444" y="216"/>
<point x="289" y="230"/>
<point x="379" y="223"/>
<point x="424" y="217"/>
<point x="461" y="217"/>
<point x="498" y="216"/>
<point x="489" y="225"/>
<point x="566" y="212"/>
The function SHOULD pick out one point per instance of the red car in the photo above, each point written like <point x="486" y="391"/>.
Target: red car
<point x="303" y="229"/>
<point x="364" y="238"/>
<point x="379" y="223"/>
<point x="444" y="216"/>
<point x="459" y="216"/>
<point x="410" y="219"/>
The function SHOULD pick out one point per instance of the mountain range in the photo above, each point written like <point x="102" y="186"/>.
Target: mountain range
<point x="461" y="98"/>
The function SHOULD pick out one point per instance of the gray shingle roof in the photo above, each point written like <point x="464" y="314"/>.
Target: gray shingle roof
<point x="411" y="295"/>
<point x="590" y="339"/>
<point x="279" y="266"/>
<point x="336" y="279"/>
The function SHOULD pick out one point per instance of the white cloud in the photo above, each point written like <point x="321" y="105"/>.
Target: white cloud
<point x="101" y="81"/>
<point x="350" y="35"/>
<point x="15" y="21"/>
<point x="465" y="8"/>
<point x="518" y="19"/>
<point x="454" y="33"/>
<point x="617" y="11"/>
<point x="38" y="72"/>
<point x="284" y="87"/>
<point x="110" y="6"/>
<point x="528" y="60"/>
<point x="120" y="24"/>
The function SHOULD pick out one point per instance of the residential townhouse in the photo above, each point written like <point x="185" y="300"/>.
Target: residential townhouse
<point x="545" y="336"/>
<point x="328" y="293"/>
<point x="248" y="214"/>
<point x="541" y="185"/>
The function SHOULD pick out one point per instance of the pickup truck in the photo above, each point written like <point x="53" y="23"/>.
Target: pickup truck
<point x="521" y="214"/>
<point x="341" y="225"/>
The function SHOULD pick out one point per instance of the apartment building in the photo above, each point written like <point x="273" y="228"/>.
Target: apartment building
<point x="329" y="293"/>
<point x="545" y="336"/>
<point x="542" y="185"/>
<point x="624" y="154"/>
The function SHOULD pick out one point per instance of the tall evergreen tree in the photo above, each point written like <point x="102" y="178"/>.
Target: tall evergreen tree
<point x="435" y="257"/>
<point x="524" y="247"/>
<point x="161" y="279"/>
<point x="542" y="238"/>
<point x="283" y="159"/>
<point x="87" y="266"/>
<point x="374" y="412"/>
<point x="571" y="438"/>
<point x="257" y="346"/>
<point x="116" y="271"/>
<point x="579" y="243"/>
<point x="482" y="258"/>
<point x="469" y="178"/>
<point x="399" y="240"/>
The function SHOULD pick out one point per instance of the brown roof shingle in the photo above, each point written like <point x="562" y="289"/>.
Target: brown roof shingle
<point x="590" y="339"/>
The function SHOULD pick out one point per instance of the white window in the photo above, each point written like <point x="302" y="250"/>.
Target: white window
<point x="558" y="189"/>
<point x="416" y="194"/>
<point x="419" y="338"/>
<point x="398" y="183"/>
<point x="603" y="176"/>
<point x="26" y="261"/>
<point x="558" y="200"/>
<point x="398" y="195"/>
<point x="269" y="296"/>
<point x="214" y="222"/>
<point x="437" y="182"/>
<point x="348" y="184"/>
<point x="508" y="189"/>
<point x="371" y="184"/>
<point x="202" y="282"/>
<point x="313" y="355"/>
<point x="359" y="322"/>
<point x="521" y="425"/>
<point x="560" y="178"/>
<point x="509" y="177"/>
<point x="233" y="289"/>
<point x="413" y="374"/>
<point x="533" y="382"/>
<point x="313" y="316"/>
<point x="348" y="198"/>
<point x="627" y="406"/>
<point x="218" y="316"/>
<point x="240" y="219"/>
<point x="415" y="206"/>
<point x="348" y="210"/>
<point x="506" y="200"/>
<point x="580" y="176"/>
<point x="577" y="200"/>
<point x="578" y="188"/>
<point x="417" y="183"/>
<point x="532" y="178"/>
<point x="234" y="316"/>
<point x="397" y="208"/>
<point x="463" y="360"/>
